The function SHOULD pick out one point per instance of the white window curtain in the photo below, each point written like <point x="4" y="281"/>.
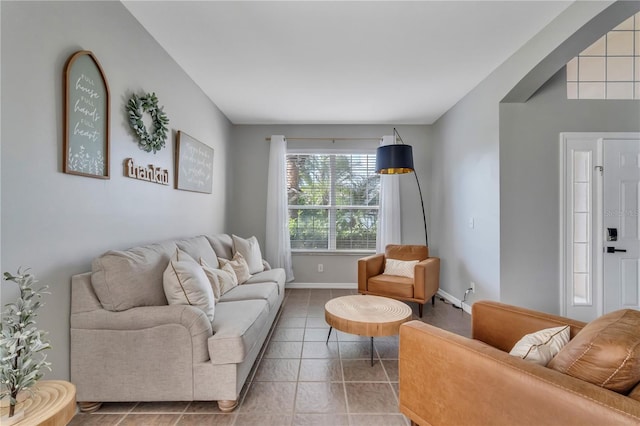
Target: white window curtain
<point x="278" y="243"/>
<point x="389" y="230"/>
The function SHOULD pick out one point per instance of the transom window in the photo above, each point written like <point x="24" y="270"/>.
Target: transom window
<point x="333" y="201"/>
<point x="610" y="67"/>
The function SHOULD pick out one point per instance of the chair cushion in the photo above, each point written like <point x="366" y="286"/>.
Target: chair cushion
<point x="199" y="248"/>
<point x="391" y="285"/>
<point x="606" y="352"/>
<point x="406" y="252"/>
<point x="236" y="328"/>
<point x="263" y="291"/>
<point x="127" y="279"/>
<point x="401" y="268"/>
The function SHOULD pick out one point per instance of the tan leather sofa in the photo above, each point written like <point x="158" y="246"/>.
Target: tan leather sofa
<point x="447" y="379"/>
<point x="421" y="288"/>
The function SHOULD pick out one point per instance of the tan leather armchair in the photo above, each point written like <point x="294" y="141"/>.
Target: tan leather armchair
<point x="447" y="379"/>
<point x="421" y="288"/>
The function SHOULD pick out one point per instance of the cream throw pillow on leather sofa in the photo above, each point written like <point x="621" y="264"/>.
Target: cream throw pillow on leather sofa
<point x="185" y="283"/>
<point x="540" y="347"/>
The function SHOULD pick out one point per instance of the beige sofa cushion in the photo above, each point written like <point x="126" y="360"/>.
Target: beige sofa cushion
<point x="236" y="328"/>
<point x="606" y="352"/>
<point x="222" y="244"/>
<point x="130" y="278"/>
<point x="263" y="291"/>
<point x="185" y="283"/>
<point x="276" y="276"/>
<point x="199" y="248"/>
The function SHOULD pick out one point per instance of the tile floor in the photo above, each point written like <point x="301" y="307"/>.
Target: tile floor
<point x="299" y="379"/>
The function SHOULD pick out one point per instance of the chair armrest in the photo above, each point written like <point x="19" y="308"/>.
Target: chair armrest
<point x="368" y="267"/>
<point x="446" y="379"/>
<point x="427" y="278"/>
<point x="501" y="325"/>
<point x="190" y="317"/>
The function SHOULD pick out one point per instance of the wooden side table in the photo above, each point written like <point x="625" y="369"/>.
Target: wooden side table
<point x="372" y="316"/>
<point x="53" y="404"/>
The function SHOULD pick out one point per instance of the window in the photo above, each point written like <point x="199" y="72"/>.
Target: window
<point x="610" y="67"/>
<point x="333" y="201"/>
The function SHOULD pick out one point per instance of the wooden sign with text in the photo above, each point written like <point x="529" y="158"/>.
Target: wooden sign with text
<point x="86" y="117"/>
<point x="150" y="173"/>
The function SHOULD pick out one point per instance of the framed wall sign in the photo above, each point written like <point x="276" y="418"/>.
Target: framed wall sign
<point x="194" y="164"/>
<point x="86" y="117"/>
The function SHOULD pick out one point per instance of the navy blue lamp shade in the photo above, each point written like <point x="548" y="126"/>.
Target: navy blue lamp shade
<point x="394" y="159"/>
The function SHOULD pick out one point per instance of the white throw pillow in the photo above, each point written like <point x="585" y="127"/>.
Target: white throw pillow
<point x="221" y="280"/>
<point x="185" y="283"/>
<point x="250" y="250"/>
<point x="239" y="266"/>
<point x="402" y="268"/>
<point x="540" y="347"/>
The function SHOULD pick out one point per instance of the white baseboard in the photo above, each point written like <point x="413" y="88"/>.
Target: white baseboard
<point x="349" y="286"/>
<point x="352" y="286"/>
<point x="465" y="306"/>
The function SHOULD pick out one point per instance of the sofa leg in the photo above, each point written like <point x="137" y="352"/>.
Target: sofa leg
<point x="227" y="406"/>
<point x="433" y="300"/>
<point x="420" y="305"/>
<point x="89" y="407"/>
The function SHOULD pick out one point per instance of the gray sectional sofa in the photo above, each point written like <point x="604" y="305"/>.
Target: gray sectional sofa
<point x="128" y="344"/>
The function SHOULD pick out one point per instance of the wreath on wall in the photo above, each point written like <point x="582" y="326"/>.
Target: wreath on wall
<point x="136" y="107"/>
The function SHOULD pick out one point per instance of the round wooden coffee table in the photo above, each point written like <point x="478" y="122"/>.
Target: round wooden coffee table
<point x="371" y="316"/>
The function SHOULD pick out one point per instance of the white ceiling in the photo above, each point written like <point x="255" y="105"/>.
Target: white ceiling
<point x="362" y="62"/>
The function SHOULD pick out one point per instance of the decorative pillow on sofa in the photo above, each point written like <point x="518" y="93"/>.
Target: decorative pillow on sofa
<point x="185" y="283"/>
<point x="606" y="352"/>
<point x="239" y="266"/>
<point x="402" y="268"/>
<point x="130" y="278"/>
<point x="540" y="347"/>
<point x="250" y="249"/>
<point x="199" y="248"/>
<point x="221" y="280"/>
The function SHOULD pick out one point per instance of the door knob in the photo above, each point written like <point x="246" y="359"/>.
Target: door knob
<point x="613" y="250"/>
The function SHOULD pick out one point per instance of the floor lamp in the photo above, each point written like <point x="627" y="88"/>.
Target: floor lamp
<point x="397" y="158"/>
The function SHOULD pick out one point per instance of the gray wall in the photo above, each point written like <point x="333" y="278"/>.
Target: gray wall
<point x="57" y="223"/>
<point x="530" y="181"/>
<point x="466" y="171"/>
<point x="250" y="153"/>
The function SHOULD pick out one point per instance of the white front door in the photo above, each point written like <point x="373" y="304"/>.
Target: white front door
<point x="621" y="227"/>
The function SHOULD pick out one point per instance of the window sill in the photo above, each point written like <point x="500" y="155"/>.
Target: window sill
<point x="332" y="252"/>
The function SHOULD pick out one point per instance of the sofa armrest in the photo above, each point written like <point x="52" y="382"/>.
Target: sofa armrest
<point x="190" y="317"/>
<point x="447" y="379"/>
<point x="368" y="267"/>
<point x="427" y="278"/>
<point x="501" y="325"/>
